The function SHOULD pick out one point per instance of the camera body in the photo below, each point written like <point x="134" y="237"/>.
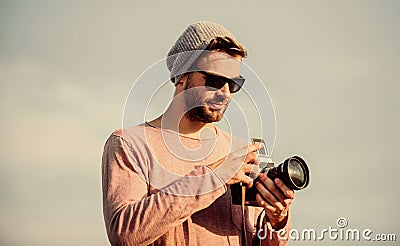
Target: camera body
<point x="293" y="172"/>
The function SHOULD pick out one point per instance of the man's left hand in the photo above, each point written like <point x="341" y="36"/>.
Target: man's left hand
<point x="275" y="197"/>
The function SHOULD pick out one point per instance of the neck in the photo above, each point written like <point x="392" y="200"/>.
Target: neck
<point x="174" y="119"/>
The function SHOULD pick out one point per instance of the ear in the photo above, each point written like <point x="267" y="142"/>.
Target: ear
<point x="182" y="80"/>
<point x="181" y="84"/>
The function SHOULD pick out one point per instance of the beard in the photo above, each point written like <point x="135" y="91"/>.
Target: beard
<point x="196" y="105"/>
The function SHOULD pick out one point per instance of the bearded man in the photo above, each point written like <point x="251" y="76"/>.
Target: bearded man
<point x="167" y="181"/>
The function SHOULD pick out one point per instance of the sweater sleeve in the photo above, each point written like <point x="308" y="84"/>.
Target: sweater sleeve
<point x="135" y="217"/>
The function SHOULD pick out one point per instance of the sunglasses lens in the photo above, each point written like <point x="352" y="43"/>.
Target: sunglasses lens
<point x="237" y="84"/>
<point x="233" y="87"/>
<point x="214" y="82"/>
<point x="218" y="82"/>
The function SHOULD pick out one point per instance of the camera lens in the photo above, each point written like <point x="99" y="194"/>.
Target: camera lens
<point x="296" y="172"/>
<point x="293" y="172"/>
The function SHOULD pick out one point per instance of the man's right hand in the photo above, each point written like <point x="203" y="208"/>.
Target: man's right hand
<point x="234" y="167"/>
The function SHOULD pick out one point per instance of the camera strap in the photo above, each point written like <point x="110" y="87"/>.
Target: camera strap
<point x="258" y="225"/>
<point x="243" y="195"/>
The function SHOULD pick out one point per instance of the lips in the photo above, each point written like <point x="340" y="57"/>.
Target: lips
<point x="216" y="105"/>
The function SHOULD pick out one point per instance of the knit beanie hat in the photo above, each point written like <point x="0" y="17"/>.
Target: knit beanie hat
<point x="188" y="48"/>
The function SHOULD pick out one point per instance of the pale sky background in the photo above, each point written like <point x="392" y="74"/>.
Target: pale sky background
<point x="66" y="68"/>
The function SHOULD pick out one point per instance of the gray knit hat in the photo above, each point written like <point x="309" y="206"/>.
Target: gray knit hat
<point x="188" y="47"/>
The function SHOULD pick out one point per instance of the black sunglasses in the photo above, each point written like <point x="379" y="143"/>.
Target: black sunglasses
<point x="218" y="81"/>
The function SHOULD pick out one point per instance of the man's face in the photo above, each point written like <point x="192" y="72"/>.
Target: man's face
<point x="206" y="104"/>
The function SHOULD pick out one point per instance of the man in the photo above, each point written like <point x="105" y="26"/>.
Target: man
<point x="167" y="181"/>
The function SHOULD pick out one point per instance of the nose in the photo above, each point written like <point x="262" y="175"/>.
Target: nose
<point x="224" y="91"/>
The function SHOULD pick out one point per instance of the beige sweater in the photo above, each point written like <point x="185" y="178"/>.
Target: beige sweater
<point x="153" y="194"/>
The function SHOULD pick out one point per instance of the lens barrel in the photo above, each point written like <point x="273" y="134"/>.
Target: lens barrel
<point x="293" y="172"/>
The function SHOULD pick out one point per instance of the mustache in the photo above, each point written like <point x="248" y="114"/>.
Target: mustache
<point x="219" y="99"/>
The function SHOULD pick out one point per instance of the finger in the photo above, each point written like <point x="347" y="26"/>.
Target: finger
<point x="251" y="158"/>
<point x="243" y="152"/>
<point x="246" y="180"/>
<point x="263" y="203"/>
<point x="285" y="190"/>
<point x="254" y="147"/>
<point x="253" y="168"/>
<point x="266" y="205"/>
<point x="270" y="209"/>
<point x="249" y="168"/>
<point x="272" y="188"/>
<point x="279" y="208"/>
<point x="268" y="196"/>
<point x="285" y="200"/>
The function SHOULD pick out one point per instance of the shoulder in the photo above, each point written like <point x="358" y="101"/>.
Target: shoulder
<point x="127" y="137"/>
<point x="127" y="132"/>
<point x="130" y="134"/>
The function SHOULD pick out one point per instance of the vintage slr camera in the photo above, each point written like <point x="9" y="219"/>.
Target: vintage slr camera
<point x="293" y="172"/>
